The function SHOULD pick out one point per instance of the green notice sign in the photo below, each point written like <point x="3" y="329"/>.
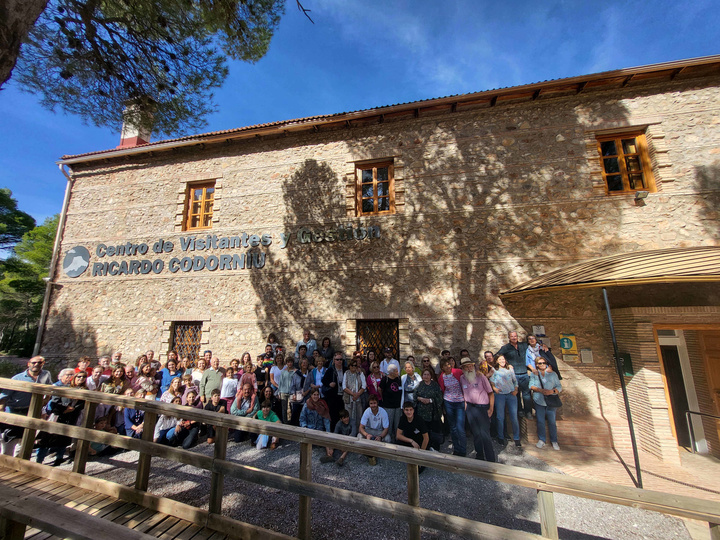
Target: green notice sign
<point x="568" y="344"/>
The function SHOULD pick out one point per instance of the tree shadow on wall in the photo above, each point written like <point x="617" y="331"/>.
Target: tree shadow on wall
<point x="300" y="283"/>
<point x="481" y="213"/>
<point x="63" y="339"/>
<point x="707" y="179"/>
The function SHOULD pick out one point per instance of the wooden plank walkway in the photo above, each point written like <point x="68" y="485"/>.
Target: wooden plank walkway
<point x="123" y="513"/>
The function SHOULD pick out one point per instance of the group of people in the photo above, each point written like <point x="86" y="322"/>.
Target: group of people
<point x="317" y="388"/>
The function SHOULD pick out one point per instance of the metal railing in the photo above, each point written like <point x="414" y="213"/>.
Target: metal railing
<point x="691" y="430"/>
<point x="546" y="484"/>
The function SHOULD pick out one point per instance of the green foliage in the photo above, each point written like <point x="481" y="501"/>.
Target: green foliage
<point x="8" y="369"/>
<point x="36" y="246"/>
<point x="94" y="57"/>
<point x="22" y="287"/>
<point x="13" y="222"/>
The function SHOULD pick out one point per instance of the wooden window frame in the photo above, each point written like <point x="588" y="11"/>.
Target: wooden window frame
<point x="643" y="153"/>
<point x="374" y="165"/>
<point x="187" y="221"/>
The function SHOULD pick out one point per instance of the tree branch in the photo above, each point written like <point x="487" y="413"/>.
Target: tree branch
<point x="17" y="17"/>
<point x="304" y="10"/>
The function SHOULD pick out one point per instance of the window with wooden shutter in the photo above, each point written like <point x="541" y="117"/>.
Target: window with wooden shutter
<point x="375" y="188"/>
<point x="625" y="163"/>
<point x="199" y="206"/>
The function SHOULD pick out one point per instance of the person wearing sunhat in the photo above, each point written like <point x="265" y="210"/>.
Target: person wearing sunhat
<point x="479" y="404"/>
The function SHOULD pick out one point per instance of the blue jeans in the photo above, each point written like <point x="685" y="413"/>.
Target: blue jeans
<point x="544" y="412"/>
<point x="188" y="437"/>
<point x="394" y="416"/>
<point x="168" y="436"/>
<point x="523" y="381"/>
<point x="456" y="419"/>
<point x="503" y="401"/>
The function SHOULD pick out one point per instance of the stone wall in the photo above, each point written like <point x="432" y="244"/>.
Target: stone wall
<point x="487" y="199"/>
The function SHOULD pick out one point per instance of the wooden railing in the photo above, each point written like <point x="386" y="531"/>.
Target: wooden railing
<point x="546" y="484"/>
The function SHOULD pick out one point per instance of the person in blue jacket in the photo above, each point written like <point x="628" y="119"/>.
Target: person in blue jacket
<point x="316" y="415"/>
<point x="167" y="374"/>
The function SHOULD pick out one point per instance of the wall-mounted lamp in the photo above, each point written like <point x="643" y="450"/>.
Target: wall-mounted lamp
<point x="640" y="197"/>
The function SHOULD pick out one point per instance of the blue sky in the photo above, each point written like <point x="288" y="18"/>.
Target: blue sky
<point x="362" y="54"/>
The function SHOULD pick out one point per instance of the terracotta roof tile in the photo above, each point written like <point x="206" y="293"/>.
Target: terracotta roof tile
<point x="364" y="113"/>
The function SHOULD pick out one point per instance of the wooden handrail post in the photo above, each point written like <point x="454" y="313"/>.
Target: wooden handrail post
<point x="217" y="482"/>
<point x="11" y="530"/>
<point x="413" y="486"/>
<point x="304" y="525"/>
<point x="28" y="438"/>
<point x="714" y="531"/>
<point x="546" y="508"/>
<point x="82" y="446"/>
<point x="143" y="468"/>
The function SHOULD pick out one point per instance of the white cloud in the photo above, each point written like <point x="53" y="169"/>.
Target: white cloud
<point x="605" y="54"/>
<point x="435" y="49"/>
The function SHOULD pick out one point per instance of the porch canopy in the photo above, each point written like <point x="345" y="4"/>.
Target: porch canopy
<point x="694" y="264"/>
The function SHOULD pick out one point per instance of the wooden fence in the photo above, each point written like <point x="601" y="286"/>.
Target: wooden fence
<point x="546" y="484"/>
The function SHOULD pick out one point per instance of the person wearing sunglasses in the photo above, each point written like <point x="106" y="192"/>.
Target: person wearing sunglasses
<point x="546" y="388"/>
<point x="63" y="410"/>
<point x="15" y="402"/>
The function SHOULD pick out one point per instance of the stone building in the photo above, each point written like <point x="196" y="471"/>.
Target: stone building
<point x="437" y="224"/>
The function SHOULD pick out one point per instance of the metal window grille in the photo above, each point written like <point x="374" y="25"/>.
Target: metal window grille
<point x="376" y="335"/>
<point x="186" y="339"/>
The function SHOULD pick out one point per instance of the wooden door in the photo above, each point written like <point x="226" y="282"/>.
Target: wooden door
<point x="710" y="344"/>
<point x="676" y="389"/>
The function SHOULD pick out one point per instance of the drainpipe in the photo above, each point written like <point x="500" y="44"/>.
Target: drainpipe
<point x="53" y="262"/>
<point x="618" y="365"/>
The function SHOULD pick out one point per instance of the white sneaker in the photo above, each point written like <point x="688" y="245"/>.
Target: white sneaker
<point x="540" y="444"/>
<point x="556" y="446"/>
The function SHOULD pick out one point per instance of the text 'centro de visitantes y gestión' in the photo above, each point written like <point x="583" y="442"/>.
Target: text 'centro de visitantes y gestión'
<point x="211" y="242"/>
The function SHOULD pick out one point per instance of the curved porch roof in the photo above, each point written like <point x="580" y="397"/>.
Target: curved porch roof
<point x="696" y="264"/>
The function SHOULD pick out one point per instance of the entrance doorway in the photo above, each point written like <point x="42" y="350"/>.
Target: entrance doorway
<point x="710" y="346"/>
<point x="676" y="390"/>
<point x="680" y="387"/>
<point x="375" y="335"/>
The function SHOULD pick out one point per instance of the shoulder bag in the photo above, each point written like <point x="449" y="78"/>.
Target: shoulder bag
<point x="553" y="400"/>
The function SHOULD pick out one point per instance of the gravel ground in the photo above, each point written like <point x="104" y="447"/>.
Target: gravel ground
<point x="491" y="502"/>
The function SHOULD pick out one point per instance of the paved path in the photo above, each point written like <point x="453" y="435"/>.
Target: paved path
<point x="699" y="475"/>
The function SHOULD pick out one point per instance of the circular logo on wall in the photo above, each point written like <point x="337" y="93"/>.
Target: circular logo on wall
<point x="76" y="261"/>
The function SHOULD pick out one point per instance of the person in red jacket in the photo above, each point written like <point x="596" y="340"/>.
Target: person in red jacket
<point x="84" y="365"/>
